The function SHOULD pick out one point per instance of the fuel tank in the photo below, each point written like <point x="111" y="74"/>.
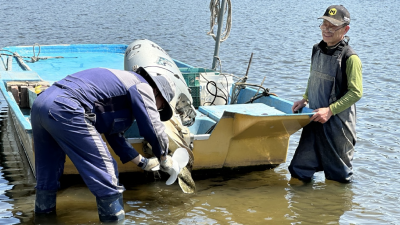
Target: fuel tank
<point x="155" y="60"/>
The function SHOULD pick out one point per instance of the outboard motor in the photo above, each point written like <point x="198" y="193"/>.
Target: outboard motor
<point x="150" y="56"/>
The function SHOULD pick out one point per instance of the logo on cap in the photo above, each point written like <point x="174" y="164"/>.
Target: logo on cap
<point x="332" y="12"/>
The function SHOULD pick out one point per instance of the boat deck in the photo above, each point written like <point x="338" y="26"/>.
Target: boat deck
<point x="255" y="109"/>
<point x="64" y="60"/>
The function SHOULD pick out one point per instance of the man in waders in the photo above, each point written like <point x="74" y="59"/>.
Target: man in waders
<point x="69" y="117"/>
<point x="334" y="86"/>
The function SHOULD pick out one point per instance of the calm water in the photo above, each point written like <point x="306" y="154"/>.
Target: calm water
<point x="281" y="35"/>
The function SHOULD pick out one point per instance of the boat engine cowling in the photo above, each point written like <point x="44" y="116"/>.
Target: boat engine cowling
<point x="150" y="56"/>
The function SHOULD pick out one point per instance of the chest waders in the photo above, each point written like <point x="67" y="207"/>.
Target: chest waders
<point x="327" y="147"/>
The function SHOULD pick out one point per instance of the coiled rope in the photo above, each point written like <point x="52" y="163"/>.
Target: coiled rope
<point x="215" y="10"/>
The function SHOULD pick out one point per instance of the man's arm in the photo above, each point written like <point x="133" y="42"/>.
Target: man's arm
<point x="354" y="85"/>
<point x="147" y="117"/>
<point x="121" y="147"/>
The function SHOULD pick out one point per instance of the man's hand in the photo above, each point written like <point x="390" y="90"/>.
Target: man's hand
<point x="152" y="164"/>
<point x="322" y="115"/>
<point x="299" y="105"/>
<point x="166" y="164"/>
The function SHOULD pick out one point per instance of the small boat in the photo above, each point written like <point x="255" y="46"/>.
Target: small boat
<point x="247" y="126"/>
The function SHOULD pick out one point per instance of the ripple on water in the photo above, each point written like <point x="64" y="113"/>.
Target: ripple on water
<point x="281" y="43"/>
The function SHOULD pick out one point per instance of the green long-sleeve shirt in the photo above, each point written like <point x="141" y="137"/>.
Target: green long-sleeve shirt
<point x="354" y="85"/>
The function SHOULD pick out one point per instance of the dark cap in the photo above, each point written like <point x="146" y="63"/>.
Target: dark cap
<point x="166" y="88"/>
<point x="337" y="15"/>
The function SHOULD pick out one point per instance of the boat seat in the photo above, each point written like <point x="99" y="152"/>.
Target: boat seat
<point x="254" y="109"/>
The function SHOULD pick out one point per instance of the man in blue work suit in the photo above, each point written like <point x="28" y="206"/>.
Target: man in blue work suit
<point x="69" y="117"/>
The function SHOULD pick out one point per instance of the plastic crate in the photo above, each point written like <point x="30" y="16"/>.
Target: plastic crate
<point x="195" y="92"/>
<point x="196" y="102"/>
<point x="192" y="79"/>
<point x="192" y="75"/>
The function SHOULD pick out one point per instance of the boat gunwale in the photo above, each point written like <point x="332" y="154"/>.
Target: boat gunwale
<point x="16" y="109"/>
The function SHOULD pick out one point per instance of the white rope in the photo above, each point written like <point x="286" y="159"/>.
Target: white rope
<point x="215" y="8"/>
<point x="21" y="62"/>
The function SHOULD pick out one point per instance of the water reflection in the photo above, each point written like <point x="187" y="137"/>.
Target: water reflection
<point x="18" y="182"/>
<point x="319" y="202"/>
<point x="231" y="197"/>
<point x="235" y="197"/>
<point x="240" y="198"/>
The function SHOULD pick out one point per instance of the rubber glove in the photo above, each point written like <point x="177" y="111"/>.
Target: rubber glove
<point x="167" y="165"/>
<point x="151" y="164"/>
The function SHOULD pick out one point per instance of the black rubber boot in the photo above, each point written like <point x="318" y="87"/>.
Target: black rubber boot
<point x="111" y="208"/>
<point x="45" y="201"/>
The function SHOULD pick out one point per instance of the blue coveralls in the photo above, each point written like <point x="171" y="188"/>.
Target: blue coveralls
<point x="70" y="116"/>
<point x="327" y="147"/>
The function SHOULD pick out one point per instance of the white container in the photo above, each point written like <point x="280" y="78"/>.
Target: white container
<point x="215" y="89"/>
